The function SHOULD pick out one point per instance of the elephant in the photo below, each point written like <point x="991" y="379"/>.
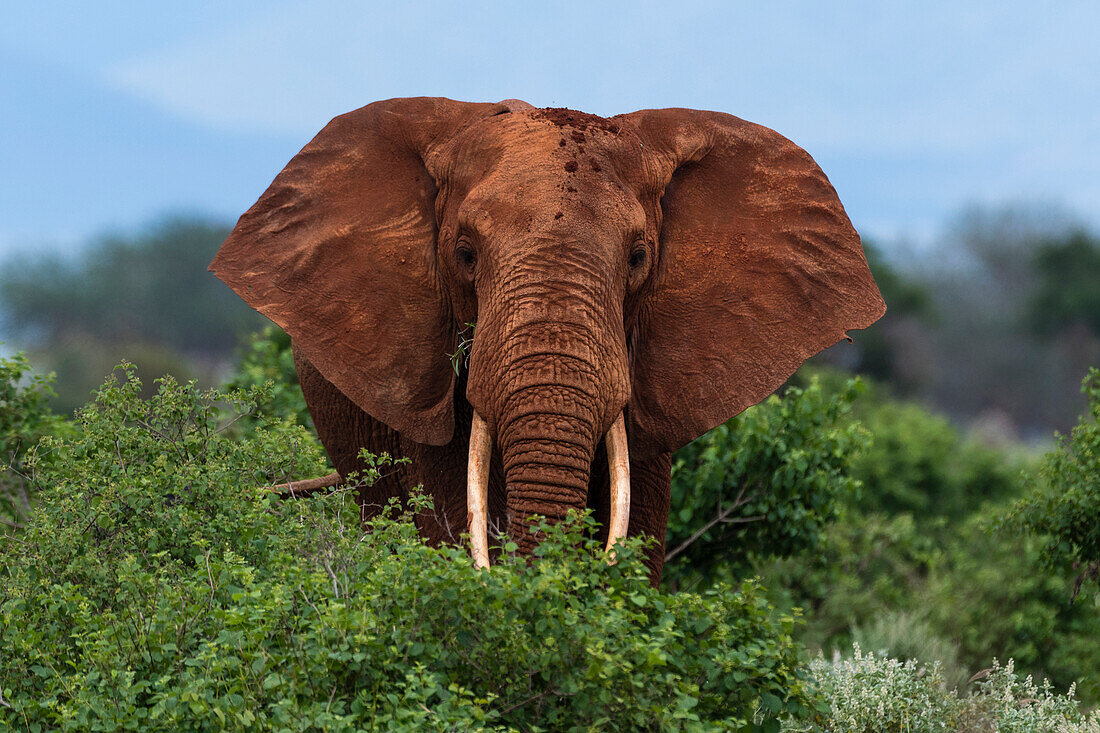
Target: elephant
<point x="623" y="285"/>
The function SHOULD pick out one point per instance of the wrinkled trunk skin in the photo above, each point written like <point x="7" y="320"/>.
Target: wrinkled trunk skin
<point x="547" y="435"/>
<point x="549" y="377"/>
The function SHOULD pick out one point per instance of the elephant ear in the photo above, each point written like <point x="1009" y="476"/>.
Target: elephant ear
<point x="758" y="269"/>
<point x="340" y="252"/>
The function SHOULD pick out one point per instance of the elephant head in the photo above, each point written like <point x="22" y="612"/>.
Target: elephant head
<point x="664" y="269"/>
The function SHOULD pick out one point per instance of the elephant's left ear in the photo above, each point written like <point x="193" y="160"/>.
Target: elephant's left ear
<point x="758" y="269"/>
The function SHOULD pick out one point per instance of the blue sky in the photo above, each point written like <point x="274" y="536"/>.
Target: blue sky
<point x="113" y="113"/>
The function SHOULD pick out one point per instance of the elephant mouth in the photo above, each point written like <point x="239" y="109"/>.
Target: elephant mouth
<point x="477" y="487"/>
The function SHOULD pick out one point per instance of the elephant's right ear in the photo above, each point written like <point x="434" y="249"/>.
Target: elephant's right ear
<point x="340" y="252"/>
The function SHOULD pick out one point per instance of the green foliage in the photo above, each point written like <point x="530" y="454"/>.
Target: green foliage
<point x="960" y="597"/>
<point x="913" y="567"/>
<point x="766" y="483"/>
<point x="25" y="417"/>
<point x="460" y="359"/>
<point x="873" y="693"/>
<point x="992" y="594"/>
<point x="869" y="693"/>
<point x="157" y="588"/>
<point x="918" y="463"/>
<point x="1065" y="509"/>
<point x="909" y="635"/>
<point x="867" y="567"/>
<point x="267" y="360"/>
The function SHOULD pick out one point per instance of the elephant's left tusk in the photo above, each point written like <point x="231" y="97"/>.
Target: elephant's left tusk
<point x="618" y="466"/>
<point x="477" y="490"/>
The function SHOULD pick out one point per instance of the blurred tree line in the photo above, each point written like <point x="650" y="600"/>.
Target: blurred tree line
<point x="146" y="297"/>
<point x="994" y="325"/>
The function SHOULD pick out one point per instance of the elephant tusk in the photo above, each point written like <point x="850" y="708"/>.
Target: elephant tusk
<point x="618" y="466"/>
<point x="477" y="490"/>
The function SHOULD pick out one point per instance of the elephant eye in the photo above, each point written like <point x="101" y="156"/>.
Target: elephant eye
<point x="637" y="257"/>
<point x="465" y="254"/>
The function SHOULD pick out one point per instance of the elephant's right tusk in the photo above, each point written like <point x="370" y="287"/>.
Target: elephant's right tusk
<point x="477" y="490"/>
<point x="618" y="465"/>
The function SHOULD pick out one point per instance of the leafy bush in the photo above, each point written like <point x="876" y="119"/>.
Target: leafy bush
<point x="930" y="578"/>
<point x="867" y="693"/>
<point x="867" y="568"/>
<point x="157" y="588"/>
<point x="918" y="463"/>
<point x="962" y="598"/>
<point x="764" y="484"/>
<point x="909" y="635"/>
<point x="993" y="596"/>
<point x="267" y="358"/>
<point x="25" y="417"/>
<point x="1065" y="511"/>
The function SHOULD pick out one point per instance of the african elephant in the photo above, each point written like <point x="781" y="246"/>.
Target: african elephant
<point x="642" y="277"/>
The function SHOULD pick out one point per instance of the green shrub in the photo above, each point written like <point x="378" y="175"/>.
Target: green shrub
<point x="266" y="358"/>
<point x="764" y="484"/>
<point x="1064" y="510"/>
<point x="868" y="694"/>
<point x="908" y="634"/>
<point x="992" y="594"/>
<point x="157" y="588"/>
<point x="918" y="463"/>
<point x="1003" y="703"/>
<point x="25" y="417"/>
<point x="969" y="594"/>
<point x="868" y="567"/>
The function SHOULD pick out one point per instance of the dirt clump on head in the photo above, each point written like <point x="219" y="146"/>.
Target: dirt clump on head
<point x="581" y="122"/>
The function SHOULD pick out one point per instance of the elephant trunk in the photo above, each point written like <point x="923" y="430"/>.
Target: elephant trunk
<point x="549" y="422"/>
<point x="557" y="390"/>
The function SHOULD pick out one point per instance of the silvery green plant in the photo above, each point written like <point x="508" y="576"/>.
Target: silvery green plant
<point x="869" y="693"/>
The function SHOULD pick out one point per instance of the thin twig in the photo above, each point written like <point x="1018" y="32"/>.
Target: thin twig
<point x="118" y="452"/>
<point x="335" y="582"/>
<point x="722" y="516"/>
<point x="210" y="577"/>
<point x="533" y="698"/>
<point x="232" y="422"/>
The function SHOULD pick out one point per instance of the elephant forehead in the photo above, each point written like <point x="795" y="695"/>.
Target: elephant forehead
<point x="511" y="200"/>
<point x="535" y="171"/>
<point x="539" y="142"/>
